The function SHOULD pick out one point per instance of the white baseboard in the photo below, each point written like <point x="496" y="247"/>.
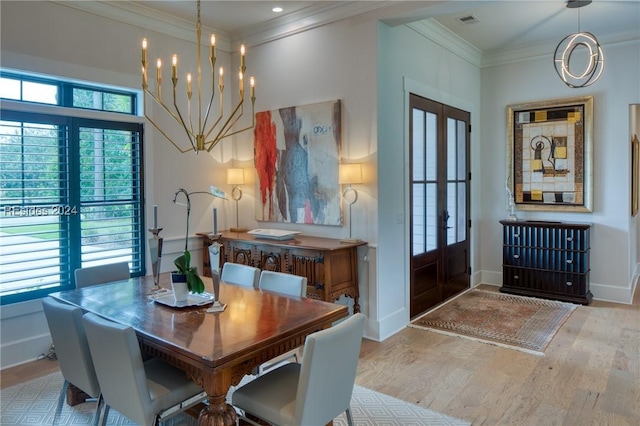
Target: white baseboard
<point x="602" y="292"/>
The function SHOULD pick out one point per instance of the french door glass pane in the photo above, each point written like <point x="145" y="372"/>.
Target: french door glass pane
<point x="425" y="218"/>
<point x="461" y="219"/>
<point x="452" y="210"/>
<point x="418" y="218"/>
<point x="461" y="154"/>
<point x="452" y="147"/>
<point x="418" y="145"/>
<point x="431" y="146"/>
<point x="431" y="217"/>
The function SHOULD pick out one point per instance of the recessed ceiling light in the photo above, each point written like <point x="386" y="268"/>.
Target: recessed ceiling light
<point x="277" y="9"/>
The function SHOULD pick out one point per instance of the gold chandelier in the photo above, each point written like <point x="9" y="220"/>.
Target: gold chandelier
<point x="207" y="134"/>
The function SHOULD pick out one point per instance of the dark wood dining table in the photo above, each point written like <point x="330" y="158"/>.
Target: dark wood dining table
<point x="218" y="349"/>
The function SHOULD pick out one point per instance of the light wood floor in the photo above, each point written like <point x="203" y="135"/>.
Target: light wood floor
<point x="590" y="374"/>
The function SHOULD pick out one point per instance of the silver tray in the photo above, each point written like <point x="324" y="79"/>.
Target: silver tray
<point x="273" y="234"/>
<point x="192" y="300"/>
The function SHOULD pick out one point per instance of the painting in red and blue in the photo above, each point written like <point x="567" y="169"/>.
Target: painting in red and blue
<point x="297" y="152"/>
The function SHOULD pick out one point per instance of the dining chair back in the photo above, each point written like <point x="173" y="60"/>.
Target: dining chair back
<point x="281" y="282"/>
<point x="237" y="273"/>
<point x="72" y="351"/>
<point x="101" y="274"/>
<point x="289" y="284"/>
<point x="315" y="391"/>
<point x="145" y="392"/>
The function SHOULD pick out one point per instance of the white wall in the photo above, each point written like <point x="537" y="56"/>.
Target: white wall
<point x="613" y="258"/>
<point x="337" y="61"/>
<point x="410" y="63"/>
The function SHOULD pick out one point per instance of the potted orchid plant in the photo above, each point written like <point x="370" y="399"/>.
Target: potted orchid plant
<point x="185" y="273"/>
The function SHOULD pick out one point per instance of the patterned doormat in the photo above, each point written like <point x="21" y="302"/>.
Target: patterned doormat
<point x="34" y="403"/>
<point x="523" y="323"/>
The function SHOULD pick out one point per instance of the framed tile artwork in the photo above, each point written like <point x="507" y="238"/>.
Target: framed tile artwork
<point x="549" y="154"/>
<point x="297" y="153"/>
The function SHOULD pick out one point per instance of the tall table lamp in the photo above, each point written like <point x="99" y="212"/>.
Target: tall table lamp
<point x="236" y="177"/>
<point x="349" y="174"/>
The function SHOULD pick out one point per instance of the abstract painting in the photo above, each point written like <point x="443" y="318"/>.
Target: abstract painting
<point x="297" y="152"/>
<point x="549" y="154"/>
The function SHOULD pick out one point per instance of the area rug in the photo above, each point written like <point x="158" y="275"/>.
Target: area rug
<point x="523" y="323"/>
<point x="34" y="403"/>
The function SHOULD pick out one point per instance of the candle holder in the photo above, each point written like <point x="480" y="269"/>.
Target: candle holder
<point x="155" y="250"/>
<point x="217" y="306"/>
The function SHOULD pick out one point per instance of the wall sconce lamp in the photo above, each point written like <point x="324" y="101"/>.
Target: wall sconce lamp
<point x="236" y="177"/>
<point x="349" y="174"/>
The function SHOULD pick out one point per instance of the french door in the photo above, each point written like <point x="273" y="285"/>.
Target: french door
<point x="439" y="199"/>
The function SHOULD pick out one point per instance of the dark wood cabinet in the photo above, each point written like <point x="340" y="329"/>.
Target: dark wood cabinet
<point x="547" y="259"/>
<point x="330" y="265"/>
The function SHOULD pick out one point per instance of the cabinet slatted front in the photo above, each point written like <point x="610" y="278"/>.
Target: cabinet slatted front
<point x="546" y="259"/>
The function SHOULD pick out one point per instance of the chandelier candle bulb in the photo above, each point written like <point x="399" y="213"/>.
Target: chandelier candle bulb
<point x="144" y="52"/>
<point x="213" y="50"/>
<point x="189" y="91"/>
<point x="174" y="67"/>
<point x="221" y="79"/>
<point x="252" y="82"/>
<point x="241" y="79"/>
<point x="242" y="51"/>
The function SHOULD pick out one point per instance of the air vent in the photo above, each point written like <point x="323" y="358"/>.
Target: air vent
<point x="467" y="20"/>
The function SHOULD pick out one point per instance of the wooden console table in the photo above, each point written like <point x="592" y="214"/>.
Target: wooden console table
<point x="331" y="266"/>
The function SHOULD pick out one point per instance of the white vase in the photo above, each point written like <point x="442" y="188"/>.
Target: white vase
<point x="180" y="289"/>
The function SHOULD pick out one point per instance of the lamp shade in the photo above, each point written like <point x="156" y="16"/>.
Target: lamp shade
<point x="235" y="176"/>
<point x="350" y="173"/>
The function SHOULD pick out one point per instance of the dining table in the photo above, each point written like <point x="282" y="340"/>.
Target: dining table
<point x="215" y="349"/>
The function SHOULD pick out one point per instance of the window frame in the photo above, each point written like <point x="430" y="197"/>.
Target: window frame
<point x="76" y="118"/>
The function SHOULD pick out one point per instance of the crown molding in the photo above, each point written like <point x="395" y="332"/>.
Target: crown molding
<point x="145" y="17"/>
<point x="442" y="36"/>
<point x="148" y="18"/>
<point x="545" y="49"/>
<point x="311" y="17"/>
<point x="315" y="16"/>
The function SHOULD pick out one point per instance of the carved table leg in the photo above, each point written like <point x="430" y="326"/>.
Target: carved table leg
<point x="218" y="413"/>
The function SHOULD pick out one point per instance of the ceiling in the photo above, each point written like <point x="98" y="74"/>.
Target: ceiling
<point x="498" y="24"/>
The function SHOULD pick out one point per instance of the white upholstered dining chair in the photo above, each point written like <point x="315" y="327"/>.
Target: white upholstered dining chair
<point x="292" y="285"/>
<point x="147" y="393"/>
<point x="282" y="282"/>
<point x="315" y="391"/>
<point x="72" y="351"/>
<point x="236" y="273"/>
<point x="93" y="275"/>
